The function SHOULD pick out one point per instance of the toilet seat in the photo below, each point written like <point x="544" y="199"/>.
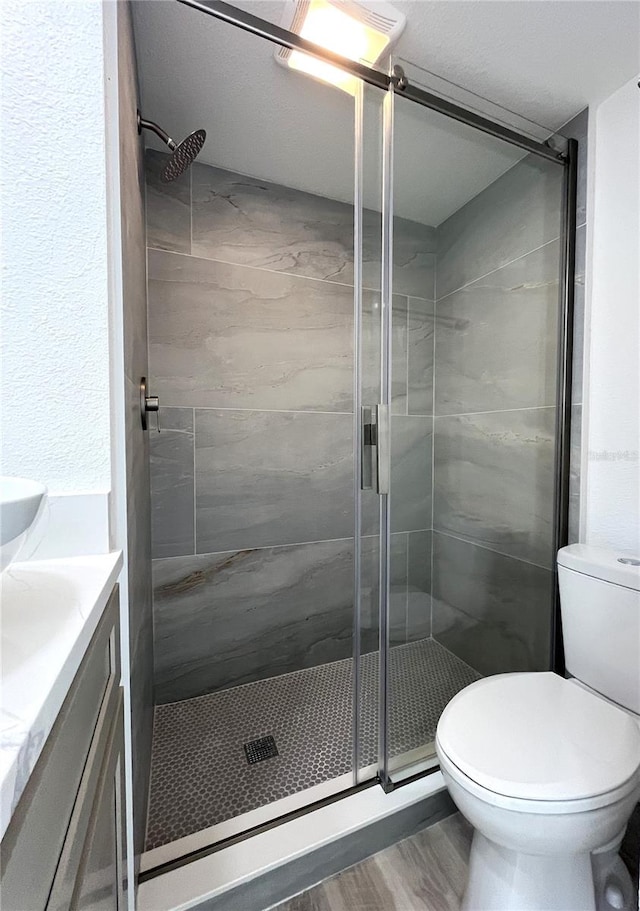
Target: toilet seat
<point x="524" y="805"/>
<point x="538" y="741"/>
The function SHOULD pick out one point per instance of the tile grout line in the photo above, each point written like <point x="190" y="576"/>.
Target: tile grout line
<point x="457" y="657"/>
<point x="296" y="275"/>
<point x="492" y="550"/>
<point x="453" y="414"/>
<point x="261" y="410"/>
<point x="284" y="411"/>
<point x="516" y="259"/>
<point x="467" y="414"/>
<point x="220" y="553"/>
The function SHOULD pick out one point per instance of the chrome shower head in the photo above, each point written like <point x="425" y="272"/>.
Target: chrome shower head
<point x="183" y="152"/>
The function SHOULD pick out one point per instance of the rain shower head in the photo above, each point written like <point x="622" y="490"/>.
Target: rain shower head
<point x="183" y="152"/>
<point x="183" y="155"/>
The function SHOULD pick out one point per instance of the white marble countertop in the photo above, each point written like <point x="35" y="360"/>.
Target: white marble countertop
<point x="49" y="611"/>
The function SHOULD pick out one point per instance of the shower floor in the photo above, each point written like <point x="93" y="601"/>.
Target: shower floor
<point x="200" y="775"/>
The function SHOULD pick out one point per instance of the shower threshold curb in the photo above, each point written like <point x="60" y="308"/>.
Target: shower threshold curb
<point x="272" y="866"/>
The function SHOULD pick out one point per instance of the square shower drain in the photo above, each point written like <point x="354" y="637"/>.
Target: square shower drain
<point x="263" y="748"/>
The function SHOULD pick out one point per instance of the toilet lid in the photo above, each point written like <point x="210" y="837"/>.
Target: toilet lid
<point x="539" y="737"/>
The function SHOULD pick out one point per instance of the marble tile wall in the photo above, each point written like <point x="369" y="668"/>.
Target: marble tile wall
<point x="516" y="214"/>
<point x="410" y="588"/>
<point x="172" y="484"/>
<point x="496" y="338"/>
<point x="250" y="335"/>
<point x="223" y="619"/>
<point x="498" y="266"/>
<point x="418" y="616"/>
<point x="236" y="353"/>
<point x="493" y="481"/>
<point x="271" y="478"/>
<point x="489" y="609"/>
<point x="251" y="354"/>
<point x="250" y="222"/>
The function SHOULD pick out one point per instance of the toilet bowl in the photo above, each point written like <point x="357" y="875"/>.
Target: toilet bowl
<point x="547" y="770"/>
<point x="548" y="773"/>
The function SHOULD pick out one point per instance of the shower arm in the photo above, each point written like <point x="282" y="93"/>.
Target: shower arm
<point x="150" y="125"/>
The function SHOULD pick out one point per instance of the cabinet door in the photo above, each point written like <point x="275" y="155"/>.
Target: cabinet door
<point x="37" y="832"/>
<point x="92" y="872"/>
<point x="101" y="883"/>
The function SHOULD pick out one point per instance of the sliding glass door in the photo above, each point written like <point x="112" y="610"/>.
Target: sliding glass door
<point x="263" y="267"/>
<point x="369" y="457"/>
<point x="467" y="422"/>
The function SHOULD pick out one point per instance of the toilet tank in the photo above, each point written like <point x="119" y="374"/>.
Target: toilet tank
<point x="600" y="609"/>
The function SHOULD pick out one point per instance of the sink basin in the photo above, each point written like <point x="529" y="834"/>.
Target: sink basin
<point x="20" y="504"/>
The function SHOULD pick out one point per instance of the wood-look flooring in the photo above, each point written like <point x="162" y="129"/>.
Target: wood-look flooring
<point x="426" y="872"/>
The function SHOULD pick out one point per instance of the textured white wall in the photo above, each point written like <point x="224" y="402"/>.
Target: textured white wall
<point x="54" y="344"/>
<point x="612" y="501"/>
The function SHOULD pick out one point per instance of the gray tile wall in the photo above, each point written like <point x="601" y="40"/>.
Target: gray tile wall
<point x="251" y="353"/>
<point x="250" y="334"/>
<point x="516" y="214"/>
<point x="489" y="609"/>
<point x="223" y="619"/>
<point x="495" y="375"/>
<point x="493" y="480"/>
<point x="497" y="273"/>
<point x="134" y="292"/>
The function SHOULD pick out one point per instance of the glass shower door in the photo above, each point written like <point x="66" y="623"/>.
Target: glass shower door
<point x="473" y="248"/>
<point x="369" y="348"/>
<point x="256" y="256"/>
<point x="394" y="441"/>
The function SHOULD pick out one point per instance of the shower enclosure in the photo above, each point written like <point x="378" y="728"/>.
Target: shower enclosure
<point x="359" y="333"/>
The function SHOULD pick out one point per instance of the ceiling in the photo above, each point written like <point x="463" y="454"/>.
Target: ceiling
<point x="545" y="59"/>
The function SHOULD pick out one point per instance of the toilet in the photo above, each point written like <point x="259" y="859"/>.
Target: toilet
<point x="547" y="769"/>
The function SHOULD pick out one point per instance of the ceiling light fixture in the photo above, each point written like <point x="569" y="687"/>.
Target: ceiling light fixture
<point x="356" y="29"/>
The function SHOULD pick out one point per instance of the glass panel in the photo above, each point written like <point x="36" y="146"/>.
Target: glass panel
<point x="251" y="323"/>
<point x="476" y="261"/>
<point x="369" y="347"/>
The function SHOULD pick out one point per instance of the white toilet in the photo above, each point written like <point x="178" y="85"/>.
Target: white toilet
<point x="547" y="770"/>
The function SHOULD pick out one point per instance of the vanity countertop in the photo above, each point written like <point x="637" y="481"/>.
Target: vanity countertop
<point x="49" y="611"/>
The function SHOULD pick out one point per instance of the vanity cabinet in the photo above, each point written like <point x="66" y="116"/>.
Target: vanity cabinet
<point x="65" y="845"/>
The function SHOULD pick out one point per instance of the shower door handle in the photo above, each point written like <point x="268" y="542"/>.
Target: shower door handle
<point x="383" y="449"/>
<point x="375" y="435"/>
<point x="368" y="441"/>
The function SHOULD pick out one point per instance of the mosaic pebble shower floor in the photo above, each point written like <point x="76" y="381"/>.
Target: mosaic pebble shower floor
<point x="199" y="770"/>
